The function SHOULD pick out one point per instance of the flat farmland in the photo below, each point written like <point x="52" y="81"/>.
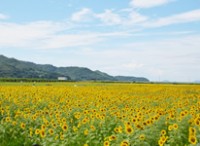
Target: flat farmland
<point x="99" y="114"/>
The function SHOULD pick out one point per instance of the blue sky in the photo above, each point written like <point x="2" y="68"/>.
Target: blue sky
<point x="157" y="39"/>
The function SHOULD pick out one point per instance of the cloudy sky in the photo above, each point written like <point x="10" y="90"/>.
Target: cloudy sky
<point x="157" y="39"/>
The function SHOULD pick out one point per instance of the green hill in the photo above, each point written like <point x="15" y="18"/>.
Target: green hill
<point x="131" y="79"/>
<point x="13" y="68"/>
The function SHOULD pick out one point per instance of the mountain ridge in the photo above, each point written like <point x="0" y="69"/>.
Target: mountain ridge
<point x="14" y="68"/>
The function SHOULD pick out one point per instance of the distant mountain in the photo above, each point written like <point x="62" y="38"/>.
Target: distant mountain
<point x="13" y="68"/>
<point x="131" y="79"/>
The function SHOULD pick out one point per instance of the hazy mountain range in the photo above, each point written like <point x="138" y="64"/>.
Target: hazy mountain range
<point x="13" y="68"/>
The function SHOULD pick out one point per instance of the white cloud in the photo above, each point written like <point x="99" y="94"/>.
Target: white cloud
<point x="29" y="34"/>
<point x="133" y="65"/>
<point x="183" y="44"/>
<point x="74" y="40"/>
<point x="131" y="17"/>
<point x="84" y="14"/>
<point x="185" y="17"/>
<point x="170" y="58"/>
<point x="3" y="16"/>
<point x="49" y="35"/>
<point x="67" y="40"/>
<point x="136" y="18"/>
<point x="148" y="3"/>
<point x="110" y="18"/>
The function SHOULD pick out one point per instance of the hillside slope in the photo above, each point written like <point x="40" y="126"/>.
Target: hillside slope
<point x="13" y="68"/>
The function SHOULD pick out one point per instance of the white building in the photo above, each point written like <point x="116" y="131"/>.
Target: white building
<point x="62" y="78"/>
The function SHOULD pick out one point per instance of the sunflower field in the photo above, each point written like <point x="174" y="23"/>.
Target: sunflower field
<point x="99" y="114"/>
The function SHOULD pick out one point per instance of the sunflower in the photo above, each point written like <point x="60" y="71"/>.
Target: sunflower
<point x="163" y="139"/>
<point x="54" y="125"/>
<point x="8" y="119"/>
<point x="197" y="121"/>
<point x="37" y="131"/>
<point x="142" y="137"/>
<point x="192" y="139"/>
<point x="134" y="120"/>
<point x="43" y="127"/>
<point x="160" y="142"/>
<point x="93" y="127"/>
<point x="63" y="120"/>
<point x="192" y="131"/>
<point x="34" y="117"/>
<point x="86" y="132"/>
<point x="124" y="143"/>
<point x="129" y="129"/>
<point x="84" y="121"/>
<point x="77" y="115"/>
<point x="170" y="127"/>
<point x="61" y="137"/>
<point x="22" y="125"/>
<point x="106" y="143"/>
<point x="51" y="132"/>
<point x="163" y="132"/>
<point x="175" y="126"/>
<point x="112" y="137"/>
<point x="182" y="114"/>
<point x="42" y="133"/>
<point x="14" y="123"/>
<point x="64" y="127"/>
<point x="75" y="129"/>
